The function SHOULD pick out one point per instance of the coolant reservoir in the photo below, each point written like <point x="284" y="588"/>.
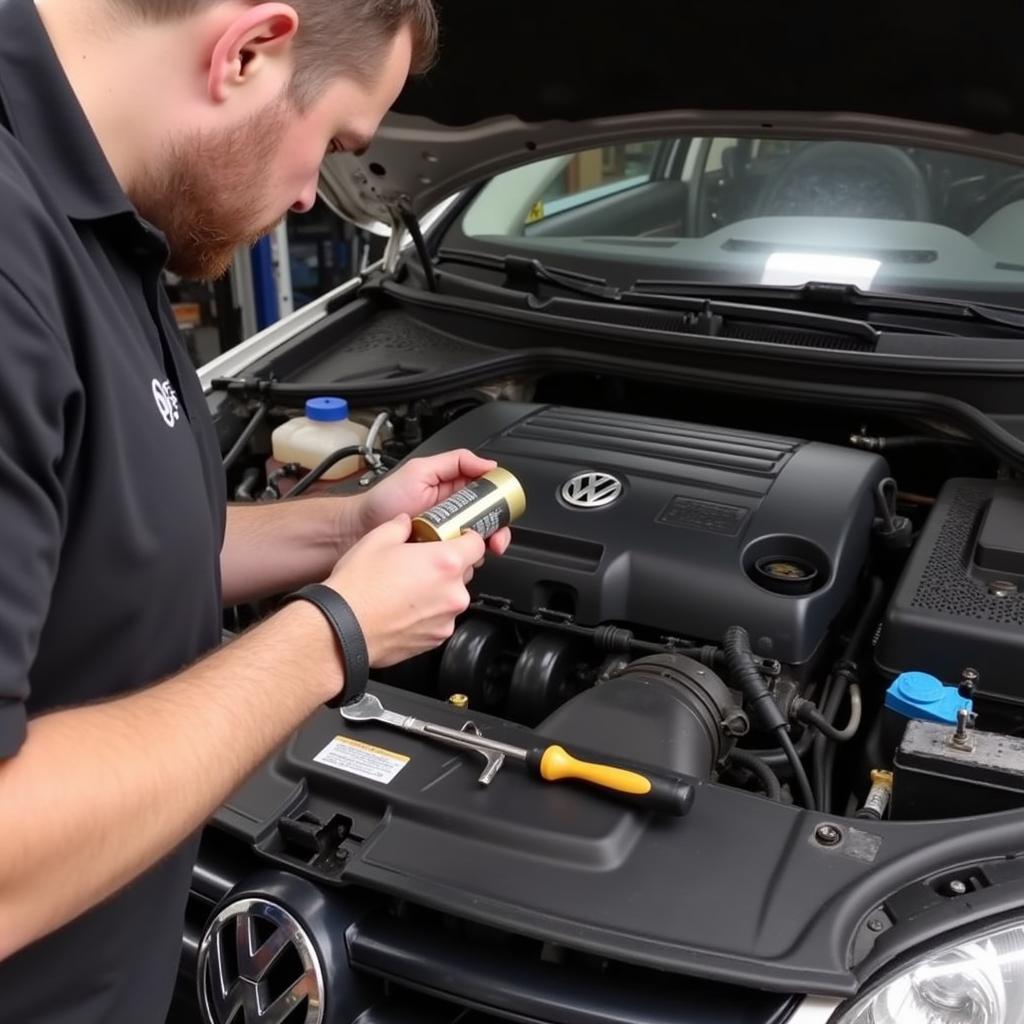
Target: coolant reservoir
<point x="325" y="428"/>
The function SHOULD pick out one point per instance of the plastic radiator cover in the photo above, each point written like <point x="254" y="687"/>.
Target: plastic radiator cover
<point x="737" y="891"/>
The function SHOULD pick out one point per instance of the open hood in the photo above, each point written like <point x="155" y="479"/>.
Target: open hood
<point x="520" y="81"/>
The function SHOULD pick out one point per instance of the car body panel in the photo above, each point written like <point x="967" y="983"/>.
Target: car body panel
<point x="552" y="80"/>
<point x="739" y="890"/>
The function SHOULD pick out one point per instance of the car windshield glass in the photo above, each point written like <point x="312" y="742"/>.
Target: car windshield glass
<point x="757" y="211"/>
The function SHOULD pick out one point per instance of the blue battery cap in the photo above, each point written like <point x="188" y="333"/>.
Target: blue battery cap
<point x="920" y="695"/>
<point x="327" y="410"/>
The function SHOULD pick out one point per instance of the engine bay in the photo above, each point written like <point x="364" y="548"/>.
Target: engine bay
<point x="780" y="614"/>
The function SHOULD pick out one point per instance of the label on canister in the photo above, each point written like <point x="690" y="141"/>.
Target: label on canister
<point x="484" y="506"/>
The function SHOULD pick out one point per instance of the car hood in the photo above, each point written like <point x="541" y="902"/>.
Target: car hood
<point x="517" y="82"/>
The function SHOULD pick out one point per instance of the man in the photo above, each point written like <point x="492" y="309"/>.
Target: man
<point x="130" y="129"/>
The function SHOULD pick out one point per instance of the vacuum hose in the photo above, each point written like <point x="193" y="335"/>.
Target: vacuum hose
<point x="740" y="664"/>
<point x="744" y="674"/>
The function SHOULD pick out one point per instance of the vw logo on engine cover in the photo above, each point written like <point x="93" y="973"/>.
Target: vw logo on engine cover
<point x="239" y="951"/>
<point x="591" y="490"/>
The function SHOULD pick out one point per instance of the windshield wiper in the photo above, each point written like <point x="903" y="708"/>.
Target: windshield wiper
<point x="818" y="294"/>
<point x="523" y="273"/>
<point x="708" y="313"/>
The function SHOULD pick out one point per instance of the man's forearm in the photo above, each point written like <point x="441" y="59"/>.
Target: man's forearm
<point x="273" y="547"/>
<point x="98" y="794"/>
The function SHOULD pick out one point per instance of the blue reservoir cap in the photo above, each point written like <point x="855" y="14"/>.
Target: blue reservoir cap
<point x="327" y="410"/>
<point x="920" y="695"/>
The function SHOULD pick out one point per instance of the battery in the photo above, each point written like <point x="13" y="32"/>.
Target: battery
<point x="486" y="505"/>
<point x="933" y="778"/>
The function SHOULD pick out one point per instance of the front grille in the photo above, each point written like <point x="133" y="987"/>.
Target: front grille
<point x="488" y="970"/>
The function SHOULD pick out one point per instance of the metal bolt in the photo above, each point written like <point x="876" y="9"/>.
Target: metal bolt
<point x="459" y="700"/>
<point x="827" y="835"/>
<point x="964" y="723"/>
<point x="1002" y="588"/>
<point x="969" y="679"/>
<point x="957" y="888"/>
<point x="876" y="924"/>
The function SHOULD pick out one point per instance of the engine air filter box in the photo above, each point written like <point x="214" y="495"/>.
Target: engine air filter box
<point x="960" y="601"/>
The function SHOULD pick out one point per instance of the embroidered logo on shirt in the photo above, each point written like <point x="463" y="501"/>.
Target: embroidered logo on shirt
<point x="166" y="402"/>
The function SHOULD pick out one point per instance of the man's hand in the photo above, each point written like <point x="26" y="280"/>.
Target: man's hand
<point x="275" y="547"/>
<point x="420" y="484"/>
<point x="406" y="596"/>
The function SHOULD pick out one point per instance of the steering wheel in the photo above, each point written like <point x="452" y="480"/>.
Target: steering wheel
<point x="848" y="179"/>
<point x="1009" y="190"/>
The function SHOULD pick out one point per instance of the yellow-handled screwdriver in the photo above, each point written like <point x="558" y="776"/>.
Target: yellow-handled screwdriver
<point x="657" y="790"/>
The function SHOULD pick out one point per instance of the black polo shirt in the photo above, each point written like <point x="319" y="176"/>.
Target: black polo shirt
<point x="111" y="501"/>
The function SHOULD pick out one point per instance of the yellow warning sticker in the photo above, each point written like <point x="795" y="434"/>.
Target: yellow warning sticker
<point x="369" y="762"/>
<point x="536" y="212"/>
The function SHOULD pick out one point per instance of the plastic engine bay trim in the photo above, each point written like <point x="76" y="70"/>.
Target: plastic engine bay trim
<point x="751" y="899"/>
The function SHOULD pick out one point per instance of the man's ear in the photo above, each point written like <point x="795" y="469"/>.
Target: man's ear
<point x="254" y="42"/>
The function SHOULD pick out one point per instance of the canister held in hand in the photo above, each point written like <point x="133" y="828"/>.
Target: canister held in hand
<point x="485" y="506"/>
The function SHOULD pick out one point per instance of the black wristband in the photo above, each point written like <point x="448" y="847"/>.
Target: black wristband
<point x="346" y="627"/>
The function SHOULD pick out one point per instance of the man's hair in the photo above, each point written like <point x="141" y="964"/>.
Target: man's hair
<point x="334" y="37"/>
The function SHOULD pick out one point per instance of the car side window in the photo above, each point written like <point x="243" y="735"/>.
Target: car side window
<point x="593" y="174"/>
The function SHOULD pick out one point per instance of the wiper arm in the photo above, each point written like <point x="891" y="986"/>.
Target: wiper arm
<point x="816" y="294"/>
<point x="523" y="273"/>
<point x="708" y="312"/>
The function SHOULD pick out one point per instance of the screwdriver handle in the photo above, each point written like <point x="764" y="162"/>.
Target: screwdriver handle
<point x="660" y="791"/>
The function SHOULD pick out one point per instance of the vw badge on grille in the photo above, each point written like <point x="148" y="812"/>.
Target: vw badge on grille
<point x="591" y="490"/>
<point x="257" y="959"/>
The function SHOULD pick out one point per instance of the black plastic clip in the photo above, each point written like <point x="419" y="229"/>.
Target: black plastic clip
<point x="550" y="615"/>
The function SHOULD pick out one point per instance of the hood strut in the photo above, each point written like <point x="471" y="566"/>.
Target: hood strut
<point x="413" y="227"/>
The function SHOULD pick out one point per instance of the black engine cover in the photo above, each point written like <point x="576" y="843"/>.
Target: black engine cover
<point x="700" y="510"/>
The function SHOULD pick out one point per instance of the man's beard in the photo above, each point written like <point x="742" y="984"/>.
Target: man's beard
<point x="204" y="193"/>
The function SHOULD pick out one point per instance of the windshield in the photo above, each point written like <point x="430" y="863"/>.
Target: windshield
<point x="764" y="212"/>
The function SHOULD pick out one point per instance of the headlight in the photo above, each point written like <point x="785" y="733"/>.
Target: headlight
<point x="978" y="980"/>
